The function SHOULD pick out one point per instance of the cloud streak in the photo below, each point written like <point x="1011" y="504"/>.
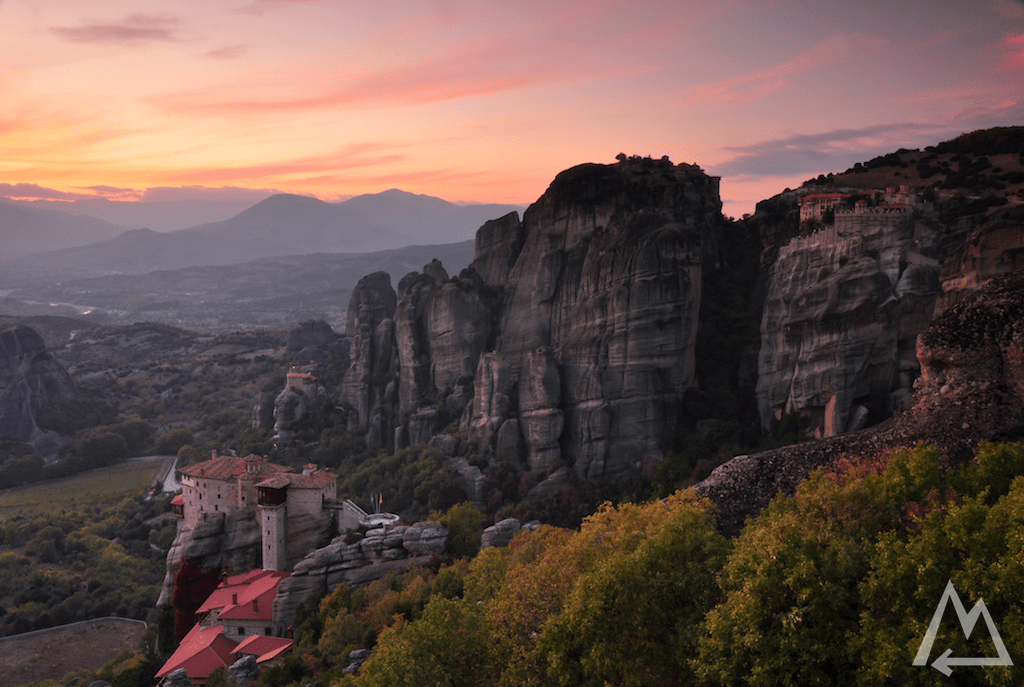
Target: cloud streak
<point x="351" y="157"/>
<point x="756" y="84"/>
<point x="828" y="151"/>
<point x="227" y="53"/>
<point x="133" y="30"/>
<point x="494" y="61"/>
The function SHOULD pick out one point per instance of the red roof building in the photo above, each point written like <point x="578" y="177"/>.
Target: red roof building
<point x="294" y="509"/>
<point x="814" y="205"/>
<point x="202" y="651"/>
<point x="267" y="650"/>
<point x="243" y="604"/>
<point x="240" y="609"/>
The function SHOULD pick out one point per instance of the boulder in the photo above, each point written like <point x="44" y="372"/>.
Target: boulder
<point x="425" y="538"/>
<point x="311" y="334"/>
<point x="244" y="670"/>
<point x="500" y="533"/>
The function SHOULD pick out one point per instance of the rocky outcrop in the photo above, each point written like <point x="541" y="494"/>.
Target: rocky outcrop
<point x="970" y="390"/>
<point x="569" y="339"/>
<point x="991" y="250"/>
<point x="595" y="336"/>
<point x="498" y="244"/>
<point x="841" y="317"/>
<point x="29" y="379"/>
<point x="370" y="384"/>
<point x="500" y="533"/>
<point x="217" y="543"/>
<point x="358" y="562"/>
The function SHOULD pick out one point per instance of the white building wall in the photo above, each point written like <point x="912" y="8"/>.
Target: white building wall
<point x="274" y="531"/>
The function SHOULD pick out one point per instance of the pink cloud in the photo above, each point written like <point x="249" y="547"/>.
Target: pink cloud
<point x="1015" y="48"/>
<point x="762" y="82"/>
<point x="132" y="30"/>
<point x="560" y="46"/>
<point x="227" y="53"/>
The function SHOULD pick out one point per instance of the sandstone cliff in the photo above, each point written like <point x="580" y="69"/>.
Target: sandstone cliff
<point x="842" y="313"/>
<point x="970" y="390"/>
<point x="569" y="340"/>
<point x="29" y="379"/>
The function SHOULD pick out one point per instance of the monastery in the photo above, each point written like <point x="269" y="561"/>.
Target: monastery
<point x="292" y="507"/>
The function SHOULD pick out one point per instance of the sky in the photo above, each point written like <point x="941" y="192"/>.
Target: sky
<point x="482" y="102"/>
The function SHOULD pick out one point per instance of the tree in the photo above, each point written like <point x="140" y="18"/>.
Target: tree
<point x="464" y="523"/>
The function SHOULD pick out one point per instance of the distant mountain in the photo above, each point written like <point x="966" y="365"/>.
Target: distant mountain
<point x="164" y="215"/>
<point x="25" y="230"/>
<point x="280" y="225"/>
<point x="288" y="225"/>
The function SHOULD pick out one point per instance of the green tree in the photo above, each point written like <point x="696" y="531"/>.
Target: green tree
<point x="465" y="527"/>
<point x="447" y="647"/>
<point x="171" y="442"/>
<point x="635" y="619"/>
<point x="792" y="582"/>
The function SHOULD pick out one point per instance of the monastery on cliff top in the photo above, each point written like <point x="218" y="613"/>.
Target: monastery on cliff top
<point x="292" y="507"/>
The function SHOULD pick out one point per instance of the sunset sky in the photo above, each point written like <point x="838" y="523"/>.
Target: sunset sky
<point x="483" y="102"/>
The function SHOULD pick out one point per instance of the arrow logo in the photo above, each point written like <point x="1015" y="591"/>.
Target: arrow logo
<point x="944" y="663"/>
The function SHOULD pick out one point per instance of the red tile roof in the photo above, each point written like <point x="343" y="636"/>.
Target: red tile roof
<point x="201" y="652"/>
<point x="178" y="500"/>
<point x="225" y="468"/>
<point x="317" y="480"/>
<point x="263" y="647"/>
<point x="233" y="598"/>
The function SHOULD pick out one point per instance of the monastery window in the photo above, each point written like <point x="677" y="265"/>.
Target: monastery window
<point x="266" y="631"/>
<point x="241" y="630"/>
<point x="216" y="507"/>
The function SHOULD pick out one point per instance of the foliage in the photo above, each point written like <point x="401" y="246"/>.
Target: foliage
<point x="447" y="646"/>
<point x="465" y="526"/>
<point x="61" y="566"/>
<point x="169" y="443"/>
<point x="635" y="618"/>
<point x="414" y="481"/>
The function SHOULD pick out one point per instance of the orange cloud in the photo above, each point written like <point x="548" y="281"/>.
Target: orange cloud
<point x="351" y="157"/>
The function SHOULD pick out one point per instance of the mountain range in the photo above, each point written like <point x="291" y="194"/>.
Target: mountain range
<point x="41" y="243"/>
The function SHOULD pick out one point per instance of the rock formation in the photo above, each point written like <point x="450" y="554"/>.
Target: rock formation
<point x="595" y="342"/>
<point x="29" y="379"/>
<point x="217" y="543"/>
<point x="357" y="562"/>
<point x="370" y="384"/>
<point x="841" y="316"/>
<point x="568" y="341"/>
<point x="970" y="390"/>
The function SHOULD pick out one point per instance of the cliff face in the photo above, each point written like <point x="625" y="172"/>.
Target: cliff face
<point x="571" y="336"/>
<point x="841" y="317"/>
<point x="29" y="379"/>
<point x="599" y="317"/>
<point x="970" y="390"/>
<point x="843" y="307"/>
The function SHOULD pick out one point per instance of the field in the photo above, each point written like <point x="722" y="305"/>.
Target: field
<point x="51" y="654"/>
<point x="105" y="485"/>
